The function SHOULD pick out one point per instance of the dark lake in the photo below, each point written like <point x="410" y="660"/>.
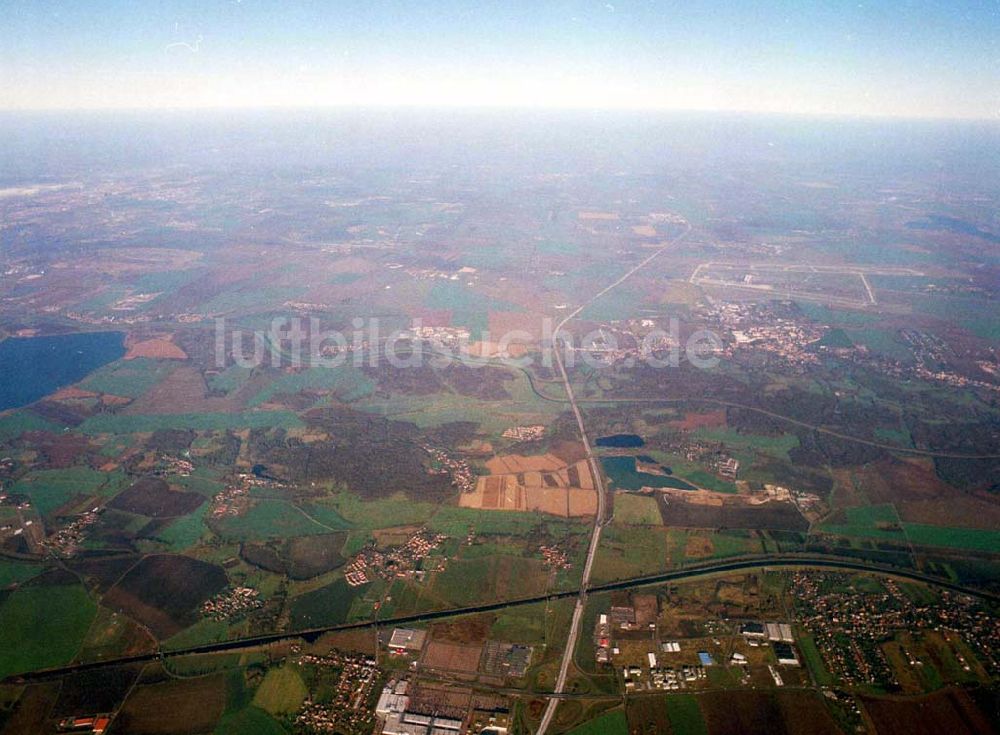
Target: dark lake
<point x="620" y="441"/>
<point x="625" y="476"/>
<point x="33" y="367"/>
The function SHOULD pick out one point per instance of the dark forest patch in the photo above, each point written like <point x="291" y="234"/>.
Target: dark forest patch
<point x="113" y="532"/>
<point x="102" y="572"/>
<point x="484" y="383"/>
<point x="59" y="451"/>
<point x="303" y="557"/>
<point x="766" y="516"/>
<point x="374" y="456"/>
<point x="979" y="474"/>
<point x="817" y="449"/>
<point x="172" y="441"/>
<point x="153" y="497"/>
<point x="53" y="578"/>
<point x="416" y="380"/>
<point x="164" y="592"/>
<point x="63" y="414"/>
<point x="100" y="690"/>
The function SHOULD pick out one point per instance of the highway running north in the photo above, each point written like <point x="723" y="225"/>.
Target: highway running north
<point x="595" y="538"/>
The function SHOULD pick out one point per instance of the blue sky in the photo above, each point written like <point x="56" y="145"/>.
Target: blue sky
<point x="915" y="59"/>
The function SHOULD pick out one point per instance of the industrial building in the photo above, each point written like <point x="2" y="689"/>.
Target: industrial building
<point x="407" y="639"/>
<point x="398" y="720"/>
<point x="786" y="654"/>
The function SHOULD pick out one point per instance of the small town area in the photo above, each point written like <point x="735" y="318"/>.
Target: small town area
<point x="880" y="635"/>
<point x="404" y="560"/>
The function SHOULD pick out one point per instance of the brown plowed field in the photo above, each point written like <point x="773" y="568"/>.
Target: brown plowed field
<point x="452" y="656"/>
<point x="710" y="420"/>
<point x="183" y="391"/>
<point x="921" y="496"/>
<point x="514" y="463"/>
<point x="547" y="492"/>
<point x="157" y="349"/>
<point x="782" y="713"/>
<point x="179" y="707"/>
<point x="952" y="712"/>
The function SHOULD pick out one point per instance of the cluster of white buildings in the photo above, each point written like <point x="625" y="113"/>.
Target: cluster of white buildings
<point x="524" y="433"/>
<point x="668" y="677"/>
<point x="396" y="719"/>
<point x="754" y="631"/>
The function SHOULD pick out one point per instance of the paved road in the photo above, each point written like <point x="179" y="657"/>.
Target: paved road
<point x="802" y="561"/>
<point x="595" y="537"/>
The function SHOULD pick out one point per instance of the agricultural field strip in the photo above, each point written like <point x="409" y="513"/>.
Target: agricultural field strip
<point x="780" y="417"/>
<point x="707" y="570"/>
<point x="732" y="404"/>
<point x="813" y="427"/>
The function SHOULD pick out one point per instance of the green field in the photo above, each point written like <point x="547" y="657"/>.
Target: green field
<point x="15" y="423"/>
<point x="630" y="552"/>
<point x="776" y="446"/>
<point x="610" y="723"/>
<point x="204" y="631"/>
<point x="272" y="519"/>
<point x="971" y="313"/>
<point x="202" y="481"/>
<point x="841" y="317"/>
<point x="256" y="298"/>
<point x="489" y="578"/>
<point x="636" y="510"/>
<point x="521" y="624"/>
<point x="881" y="522"/>
<point x="967" y="539"/>
<point x="129" y="378"/>
<point x="348" y="383"/>
<point x="183" y="533"/>
<point x="882" y="341"/>
<point x="456" y="522"/>
<point x="733" y="543"/>
<point x="328" y="605"/>
<point x="622" y="303"/>
<point x="12" y="572"/>
<point x="43" y="626"/>
<point x="685" y="715"/>
<point x="899" y="437"/>
<point x="281" y="692"/>
<point x="200" y="665"/>
<point x="132" y="424"/>
<point x="441" y="408"/>
<point x="395" y="510"/>
<point x="814" y="661"/>
<point x="231" y="379"/>
<point x="249" y="720"/>
<point x="470" y="308"/>
<point x="49" y="489"/>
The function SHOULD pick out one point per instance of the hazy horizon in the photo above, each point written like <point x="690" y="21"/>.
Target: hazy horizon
<point x="40" y="143"/>
<point x="909" y="60"/>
